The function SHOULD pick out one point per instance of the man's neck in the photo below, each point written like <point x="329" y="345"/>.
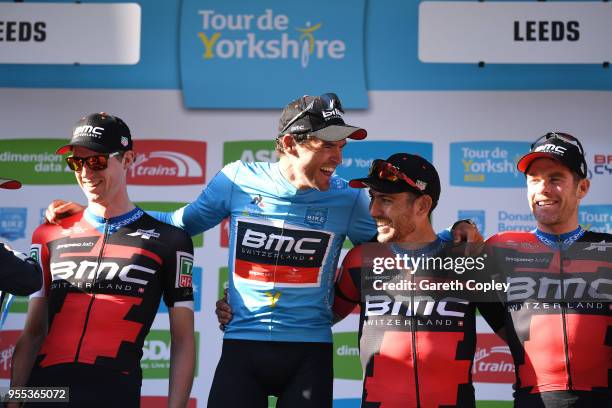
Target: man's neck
<point x="107" y="211"/>
<point x="560" y="228"/>
<point x="286" y="169"/>
<point x="421" y="236"/>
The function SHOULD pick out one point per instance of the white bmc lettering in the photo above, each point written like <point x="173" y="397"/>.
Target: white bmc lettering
<point x="524" y="288"/>
<point x="67" y="269"/>
<point x="551" y="148"/>
<point x="379" y="305"/>
<point x="87" y="130"/>
<point x="256" y="239"/>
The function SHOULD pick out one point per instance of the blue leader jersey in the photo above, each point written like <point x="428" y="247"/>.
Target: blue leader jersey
<point x="283" y="250"/>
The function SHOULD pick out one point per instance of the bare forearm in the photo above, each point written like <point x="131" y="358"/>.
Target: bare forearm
<point x="23" y="359"/>
<point x="182" y="366"/>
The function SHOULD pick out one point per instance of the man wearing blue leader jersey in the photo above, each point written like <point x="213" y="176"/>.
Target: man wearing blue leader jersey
<point x="288" y="221"/>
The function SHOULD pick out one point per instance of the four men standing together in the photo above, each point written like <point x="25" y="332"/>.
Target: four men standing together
<point x="106" y="267"/>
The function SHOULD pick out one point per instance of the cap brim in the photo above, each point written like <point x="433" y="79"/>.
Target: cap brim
<point x="334" y="133"/>
<point x="92" y="146"/>
<point x="383" y="186"/>
<point x="526" y="160"/>
<point x="10" y="184"/>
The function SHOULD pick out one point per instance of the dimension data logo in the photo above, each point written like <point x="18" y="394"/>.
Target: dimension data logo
<point x="298" y="42"/>
<point x="486" y="164"/>
<point x="241" y="47"/>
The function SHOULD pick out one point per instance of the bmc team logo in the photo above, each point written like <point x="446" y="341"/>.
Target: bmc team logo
<point x="288" y="255"/>
<point x="249" y="151"/>
<point x="477" y="216"/>
<point x="168" y="163"/>
<point x="226" y="47"/>
<point x="166" y="206"/>
<point x="33" y="161"/>
<point x="359" y="155"/>
<point x="162" y="402"/>
<point x="155" y="362"/>
<point x="13" y="222"/>
<point x="197" y="294"/>
<point x="514" y="221"/>
<point x="347" y="365"/>
<point x="8" y="339"/>
<point x="486" y="164"/>
<point x="596" y="218"/>
<point x="492" y="361"/>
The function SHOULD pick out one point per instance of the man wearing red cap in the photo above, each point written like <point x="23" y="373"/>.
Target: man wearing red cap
<point x="558" y="315"/>
<point x="19" y="274"/>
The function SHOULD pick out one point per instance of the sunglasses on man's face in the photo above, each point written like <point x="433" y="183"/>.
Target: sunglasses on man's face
<point x="386" y="171"/>
<point x="94" y="162"/>
<point x="567" y="138"/>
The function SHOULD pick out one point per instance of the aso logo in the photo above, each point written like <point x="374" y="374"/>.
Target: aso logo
<point x="13" y="222"/>
<point x="249" y="151"/>
<point x="168" y="162"/>
<point x="486" y="164"/>
<point x="492" y="361"/>
<point x="477" y="216"/>
<point x="155" y="362"/>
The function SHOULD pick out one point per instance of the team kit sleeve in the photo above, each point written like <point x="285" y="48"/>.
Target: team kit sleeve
<point x="178" y="282"/>
<point x="19" y="274"/>
<point x="361" y="227"/>
<point x="39" y="252"/>
<point x="209" y="209"/>
<point x="348" y="285"/>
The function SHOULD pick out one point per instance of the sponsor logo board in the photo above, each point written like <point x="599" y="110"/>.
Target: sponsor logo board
<point x="226" y="47"/>
<point x="596" y="218"/>
<point x="357" y="156"/>
<point x="168" y="163"/>
<point x="515" y="32"/>
<point x="155" y="362"/>
<point x="487" y="164"/>
<point x="63" y="33"/>
<point x="249" y="151"/>
<point x="477" y="216"/>
<point x="13" y="221"/>
<point x="33" y="161"/>
<point x="492" y="361"/>
<point x="8" y="339"/>
<point x="347" y="365"/>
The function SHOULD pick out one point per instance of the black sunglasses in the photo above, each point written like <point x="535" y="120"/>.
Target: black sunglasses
<point x="562" y="136"/>
<point x="95" y="162"/>
<point x="325" y="102"/>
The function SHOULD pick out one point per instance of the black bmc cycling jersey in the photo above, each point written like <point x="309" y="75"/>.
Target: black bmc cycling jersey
<point x="558" y="316"/>
<point x="104" y="279"/>
<point x="416" y="350"/>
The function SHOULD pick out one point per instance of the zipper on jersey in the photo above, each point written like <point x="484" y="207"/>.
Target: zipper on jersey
<point x="414" y="340"/>
<point x="565" y="342"/>
<point x="93" y="293"/>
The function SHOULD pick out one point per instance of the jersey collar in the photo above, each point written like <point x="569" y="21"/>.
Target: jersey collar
<point x="114" y="223"/>
<point x="562" y="241"/>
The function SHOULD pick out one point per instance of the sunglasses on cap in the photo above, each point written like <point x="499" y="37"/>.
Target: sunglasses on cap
<point x="325" y="102"/>
<point x="386" y="171"/>
<point x="95" y="162"/>
<point x="561" y="136"/>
